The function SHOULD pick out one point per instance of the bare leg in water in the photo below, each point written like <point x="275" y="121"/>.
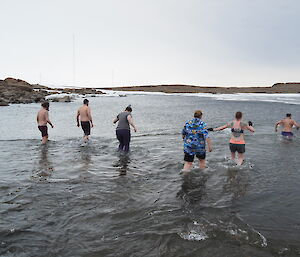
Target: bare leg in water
<point x="240" y="159"/>
<point x="187" y="166"/>
<point x="44" y="140"/>
<point x="233" y="156"/>
<point x="202" y="164"/>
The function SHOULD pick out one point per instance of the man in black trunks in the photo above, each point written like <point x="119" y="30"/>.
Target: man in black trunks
<point x="84" y="112"/>
<point x="42" y="120"/>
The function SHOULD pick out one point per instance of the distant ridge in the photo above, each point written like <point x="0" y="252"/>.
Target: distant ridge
<point x="290" y="87"/>
<point x="19" y="91"/>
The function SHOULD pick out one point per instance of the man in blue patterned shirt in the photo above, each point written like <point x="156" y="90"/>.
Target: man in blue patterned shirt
<point x="195" y="135"/>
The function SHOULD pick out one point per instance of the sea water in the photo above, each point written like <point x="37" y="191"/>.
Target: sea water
<point x="65" y="199"/>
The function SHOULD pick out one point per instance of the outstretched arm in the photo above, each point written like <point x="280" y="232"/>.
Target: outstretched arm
<point x="221" y="127"/>
<point x="130" y="121"/>
<point x="276" y="125"/>
<point x="250" y="128"/>
<point x="296" y="125"/>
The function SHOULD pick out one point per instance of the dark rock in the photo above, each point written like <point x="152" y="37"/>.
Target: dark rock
<point x="64" y="99"/>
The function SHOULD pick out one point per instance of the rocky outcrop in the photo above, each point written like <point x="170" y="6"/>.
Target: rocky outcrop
<point x="80" y="91"/>
<point x="17" y="91"/>
<point x="64" y="99"/>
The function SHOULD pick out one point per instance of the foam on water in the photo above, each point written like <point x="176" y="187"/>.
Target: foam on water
<point x="261" y="97"/>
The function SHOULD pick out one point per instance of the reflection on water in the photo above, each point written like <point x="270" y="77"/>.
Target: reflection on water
<point x="45" y="168"/>
<point x="122" y="163"/>
<point x="85" y="155"/>
<point x="193" y="186"/>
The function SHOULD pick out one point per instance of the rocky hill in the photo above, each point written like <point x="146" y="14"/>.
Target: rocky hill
<point x="18" y="91"/>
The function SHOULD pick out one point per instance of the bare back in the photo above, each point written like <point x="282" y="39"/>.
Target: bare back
<point x="84" y="113"/>
<point x="287" y="124"/>
<point x="42" y="117"/>
<point x="237" y="131"/>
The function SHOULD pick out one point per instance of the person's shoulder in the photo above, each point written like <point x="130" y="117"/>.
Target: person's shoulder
<point x="202" y="123"/>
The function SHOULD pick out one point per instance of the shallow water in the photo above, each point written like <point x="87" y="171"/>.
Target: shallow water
<point x="64" y="199"/>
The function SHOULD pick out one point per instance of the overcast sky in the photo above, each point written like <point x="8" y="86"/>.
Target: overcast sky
<point x="144" y="42"/>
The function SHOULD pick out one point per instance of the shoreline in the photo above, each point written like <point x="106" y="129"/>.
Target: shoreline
<point x="278" y="88"/>
<point x="16" y="91"/>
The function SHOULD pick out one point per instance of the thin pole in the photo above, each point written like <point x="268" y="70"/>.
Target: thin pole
<point x="74" y="70"/>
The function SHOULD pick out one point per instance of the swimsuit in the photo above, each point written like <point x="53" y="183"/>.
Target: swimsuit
<point x="44" y="130"/>
<point x="287" y="134"/>
<point x="240" y="148"/>
<point x="86" y="127"/>
<point x="239" y="144"/>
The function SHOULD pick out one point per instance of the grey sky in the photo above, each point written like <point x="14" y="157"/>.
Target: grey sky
<point x="143" y="42"/>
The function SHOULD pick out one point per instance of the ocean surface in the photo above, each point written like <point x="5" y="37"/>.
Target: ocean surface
<point x="65" y="199"/>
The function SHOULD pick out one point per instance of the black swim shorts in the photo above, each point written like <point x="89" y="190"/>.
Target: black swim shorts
<point x="190" y="158"/>
<point x="240" y="148"/>
<point x="86" y="127"/>
<point x="44" y="130"/>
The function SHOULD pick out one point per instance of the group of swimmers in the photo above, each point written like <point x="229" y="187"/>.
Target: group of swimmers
<point x="195" y="136"/>
<point x="195" y="133"/>
<point x="84" y="119"/>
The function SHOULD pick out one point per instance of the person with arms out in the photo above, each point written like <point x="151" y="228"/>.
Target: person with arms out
<point x="195" y="136"/>
<point x="42" y="120"/>
<point x="85" y="117"/>
<point x="287" y="124"/>
<point x="124" y="120"/>
<point x="237" y="141"/>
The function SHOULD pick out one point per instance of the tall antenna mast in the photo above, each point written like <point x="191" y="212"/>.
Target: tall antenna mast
<point x="74" y="60"/>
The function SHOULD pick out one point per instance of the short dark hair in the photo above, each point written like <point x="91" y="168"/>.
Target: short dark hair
<point x="288" y="115"/>
<point x="238" y="115"/>
<point x="128" y="108"/>
<point x="198" y="114"/>
<point x="45" y="104"/>
<point x="85" y="101"/>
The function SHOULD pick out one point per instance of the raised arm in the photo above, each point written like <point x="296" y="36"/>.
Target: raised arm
<point x="250" y="128"/>
<point x="130" y="121"/>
